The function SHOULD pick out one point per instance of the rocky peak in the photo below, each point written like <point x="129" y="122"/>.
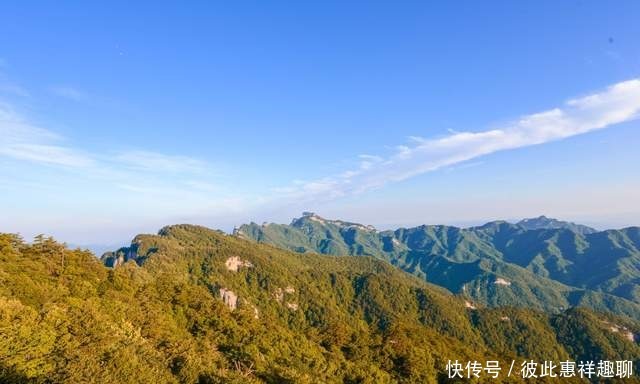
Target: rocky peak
<point x="311" y="217"/>
<point x="544" y="222"/>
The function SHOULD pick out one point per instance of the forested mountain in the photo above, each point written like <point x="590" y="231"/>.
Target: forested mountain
<point x="543" y="222"/>
<point x="194" y="305"/>
<point x="554" y="266"/>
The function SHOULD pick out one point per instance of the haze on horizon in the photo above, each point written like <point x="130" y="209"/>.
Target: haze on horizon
<point x="122" y="118"/>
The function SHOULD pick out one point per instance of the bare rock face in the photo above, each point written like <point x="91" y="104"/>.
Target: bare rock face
<point x="121" y="256"/>
<point x="229" y="298"/>
<point x="118" y="261"/>
<point x="292" y="306"/>
<point x="279" y="295"/>
<point x="624" y="331"/>
<point x="501" y="281"/>
<point x="234" y="263"/>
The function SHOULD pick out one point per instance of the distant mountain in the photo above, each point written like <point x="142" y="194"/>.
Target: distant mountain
<point x="544" y="222"/>
<point x="192" y="305"/>
<point x="97" y="249"/>
<point x="494" y="264"/>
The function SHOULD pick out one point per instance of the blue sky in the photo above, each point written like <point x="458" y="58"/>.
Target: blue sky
<point x="118" y="118"/>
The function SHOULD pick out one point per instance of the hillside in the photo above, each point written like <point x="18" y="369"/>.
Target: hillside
<point x="194" y="305"/>
<point x="495" y="264"/>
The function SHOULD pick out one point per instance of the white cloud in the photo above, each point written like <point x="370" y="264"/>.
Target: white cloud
<point x="13" y="89"/>
<point x="617" y="104"/>
<point x="153" y="161"/>
<point x="8" y="87"/>
<point x="22" y="140"/>
<point x="68" y="92"/>
<point x="46" y="154"/>
<point x="161" y="185"/>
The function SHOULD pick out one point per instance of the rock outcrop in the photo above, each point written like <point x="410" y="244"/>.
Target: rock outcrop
<point x="234" y="263"/>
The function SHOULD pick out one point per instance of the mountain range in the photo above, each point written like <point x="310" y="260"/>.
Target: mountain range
<point x="194" y="305"/>
<point x="538" y="263"/>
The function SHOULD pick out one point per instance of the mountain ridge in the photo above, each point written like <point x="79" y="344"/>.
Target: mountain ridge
<point x="548" y="268"/>
<point x="543" y="222"/>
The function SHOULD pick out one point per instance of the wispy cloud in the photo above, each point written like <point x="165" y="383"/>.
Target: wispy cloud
<point x="8" y="87"/>
<point x="616" y="104"/>
<point x="23" y="140"/>
<point x="165" y="183"/>
<point x="68" y="92"/>
<point x="13" y="89"/>
<point x="145" y="160"/>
